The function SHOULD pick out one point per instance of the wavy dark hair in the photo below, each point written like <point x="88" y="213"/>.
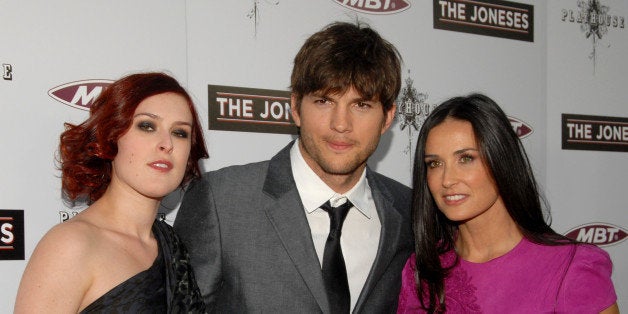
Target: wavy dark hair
<point x="508" y="164"/>
<point x="87" y="150"/>
<point x="344" y="55"/>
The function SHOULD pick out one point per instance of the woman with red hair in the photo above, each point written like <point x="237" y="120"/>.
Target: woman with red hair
<point x="141" y="141"/>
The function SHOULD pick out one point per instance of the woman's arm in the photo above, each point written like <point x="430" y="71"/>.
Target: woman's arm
<point x="613" y="309"/>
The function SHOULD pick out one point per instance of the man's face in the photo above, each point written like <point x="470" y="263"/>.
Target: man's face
<point x="339" y="132"/>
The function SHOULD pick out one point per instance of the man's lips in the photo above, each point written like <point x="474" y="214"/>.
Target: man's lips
<point x="339" y="145"/>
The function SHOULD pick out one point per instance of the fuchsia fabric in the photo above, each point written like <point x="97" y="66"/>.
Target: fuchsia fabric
<point x="531" y="278"/>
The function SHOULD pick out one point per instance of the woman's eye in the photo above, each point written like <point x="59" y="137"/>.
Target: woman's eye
<point x="180" y="133"/>
<point x="465" y="159"/>
<point x="146" y="126"/>
<point x="431" y="164"/>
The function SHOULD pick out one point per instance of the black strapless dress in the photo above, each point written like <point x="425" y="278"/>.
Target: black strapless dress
<point x="168" y="286"/>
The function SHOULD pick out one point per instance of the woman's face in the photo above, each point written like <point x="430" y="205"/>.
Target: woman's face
<point x="153" y="153"/>
<point x="457" y="176"/>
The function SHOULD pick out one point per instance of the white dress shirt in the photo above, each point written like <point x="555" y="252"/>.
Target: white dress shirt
<point x="360" y="231"/>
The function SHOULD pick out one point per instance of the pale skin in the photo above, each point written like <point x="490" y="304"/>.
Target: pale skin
<point x="339" y="133"/>
<point x="464" y="191"/>
<point x="78" y="261"/>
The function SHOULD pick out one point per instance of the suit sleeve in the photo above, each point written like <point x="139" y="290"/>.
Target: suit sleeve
<point x="197" y="226"/>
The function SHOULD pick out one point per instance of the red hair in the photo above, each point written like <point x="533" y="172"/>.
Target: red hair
<point x="86" y="150"/>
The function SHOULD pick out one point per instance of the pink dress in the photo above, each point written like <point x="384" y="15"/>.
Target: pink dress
<point x="531" y="278"/>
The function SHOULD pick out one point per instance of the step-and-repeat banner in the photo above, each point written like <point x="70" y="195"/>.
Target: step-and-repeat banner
<point x="558" y="69"/>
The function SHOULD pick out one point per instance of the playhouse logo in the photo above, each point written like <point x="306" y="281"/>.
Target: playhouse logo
<point x="595" y="20"/>
<point x="600" y="234"/>
<point x="375" y="6"/>
<point x="412" y="110"/>
<point x="11" y="234"/>
<point x="80" y="94"/>
<point x="495" y="18"/>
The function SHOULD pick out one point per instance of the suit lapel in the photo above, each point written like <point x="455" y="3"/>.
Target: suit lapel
<point x="287" y="215"/>
<point x="389" y="240"/>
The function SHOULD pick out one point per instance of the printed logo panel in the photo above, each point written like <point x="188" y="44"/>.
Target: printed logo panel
<point x="600" y="234"/>
<point x="375" y="6"/>
<point x="495" y="18"/>
<point x="79" y="94"/>
<point x="250" y="110"/>
<point x="522" y="129"/>
<point x="585" y="132"/>
<point x="11" y="234"/>
<point x="594" y="19"/>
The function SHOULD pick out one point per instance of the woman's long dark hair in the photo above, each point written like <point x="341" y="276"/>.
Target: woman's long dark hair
<point x="507" y="161"/>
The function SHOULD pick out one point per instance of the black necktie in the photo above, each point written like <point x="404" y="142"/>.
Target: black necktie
<point x="334" y="271"/>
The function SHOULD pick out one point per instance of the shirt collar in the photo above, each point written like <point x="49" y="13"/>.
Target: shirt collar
<point x="314" y="192"/>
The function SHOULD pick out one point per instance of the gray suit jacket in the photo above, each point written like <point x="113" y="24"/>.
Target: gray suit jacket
<point x="251" y="247"/>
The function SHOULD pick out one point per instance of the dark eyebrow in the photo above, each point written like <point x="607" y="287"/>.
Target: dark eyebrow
<point x="356" y="99"/>
<point x="157" y="117"/>
<point x="152" y="115"/>
<point x="458" y="152"/>
<point x="464" y="150"/>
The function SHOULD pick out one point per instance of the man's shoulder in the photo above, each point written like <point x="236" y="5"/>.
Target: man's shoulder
<point x="237" y="172"/>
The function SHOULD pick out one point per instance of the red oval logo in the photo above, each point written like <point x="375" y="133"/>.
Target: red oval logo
<point x="600" y="234"/>
<point x="375" y="6"/>
<point x="80" y="94"/>
<point x="522" y="129"/>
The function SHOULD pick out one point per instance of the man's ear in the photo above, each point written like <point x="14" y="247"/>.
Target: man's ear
<point x="294" y="110"/>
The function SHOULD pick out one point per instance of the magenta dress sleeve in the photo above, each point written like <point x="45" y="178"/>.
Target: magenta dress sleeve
<point x="408" y="300"/>
<point x="587" y="286"/>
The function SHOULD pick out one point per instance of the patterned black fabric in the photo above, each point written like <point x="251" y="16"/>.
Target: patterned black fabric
<point x="183" y="294"/>
<point x="168" y="286"/>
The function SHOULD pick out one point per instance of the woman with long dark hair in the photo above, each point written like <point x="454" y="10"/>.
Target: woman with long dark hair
<point x="482" y="243"/>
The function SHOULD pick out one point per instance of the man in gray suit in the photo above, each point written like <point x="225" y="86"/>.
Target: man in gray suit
<point x="257" y="235"/>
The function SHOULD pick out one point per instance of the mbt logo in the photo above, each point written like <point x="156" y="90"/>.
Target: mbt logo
<point x="79" y="94"/>
<point x="601" y="234"/>
<point x="7" y="72"/>
<point x="522" y="129"/>
<point x="11" y="234"/>
<point x="375" y="6"/>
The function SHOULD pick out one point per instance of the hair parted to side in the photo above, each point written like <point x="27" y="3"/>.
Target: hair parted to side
<point x="87" y="150"/>
<point x="508" y="164"/>
<point x="344" y="55"/>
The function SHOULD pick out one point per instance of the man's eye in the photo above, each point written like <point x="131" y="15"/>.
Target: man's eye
<point x="321" y="101"/>
<point x="364" y="105"/>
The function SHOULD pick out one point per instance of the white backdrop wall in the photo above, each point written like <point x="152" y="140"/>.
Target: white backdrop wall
<point x="588" y="186"/>
<point x="252" y="44"/>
